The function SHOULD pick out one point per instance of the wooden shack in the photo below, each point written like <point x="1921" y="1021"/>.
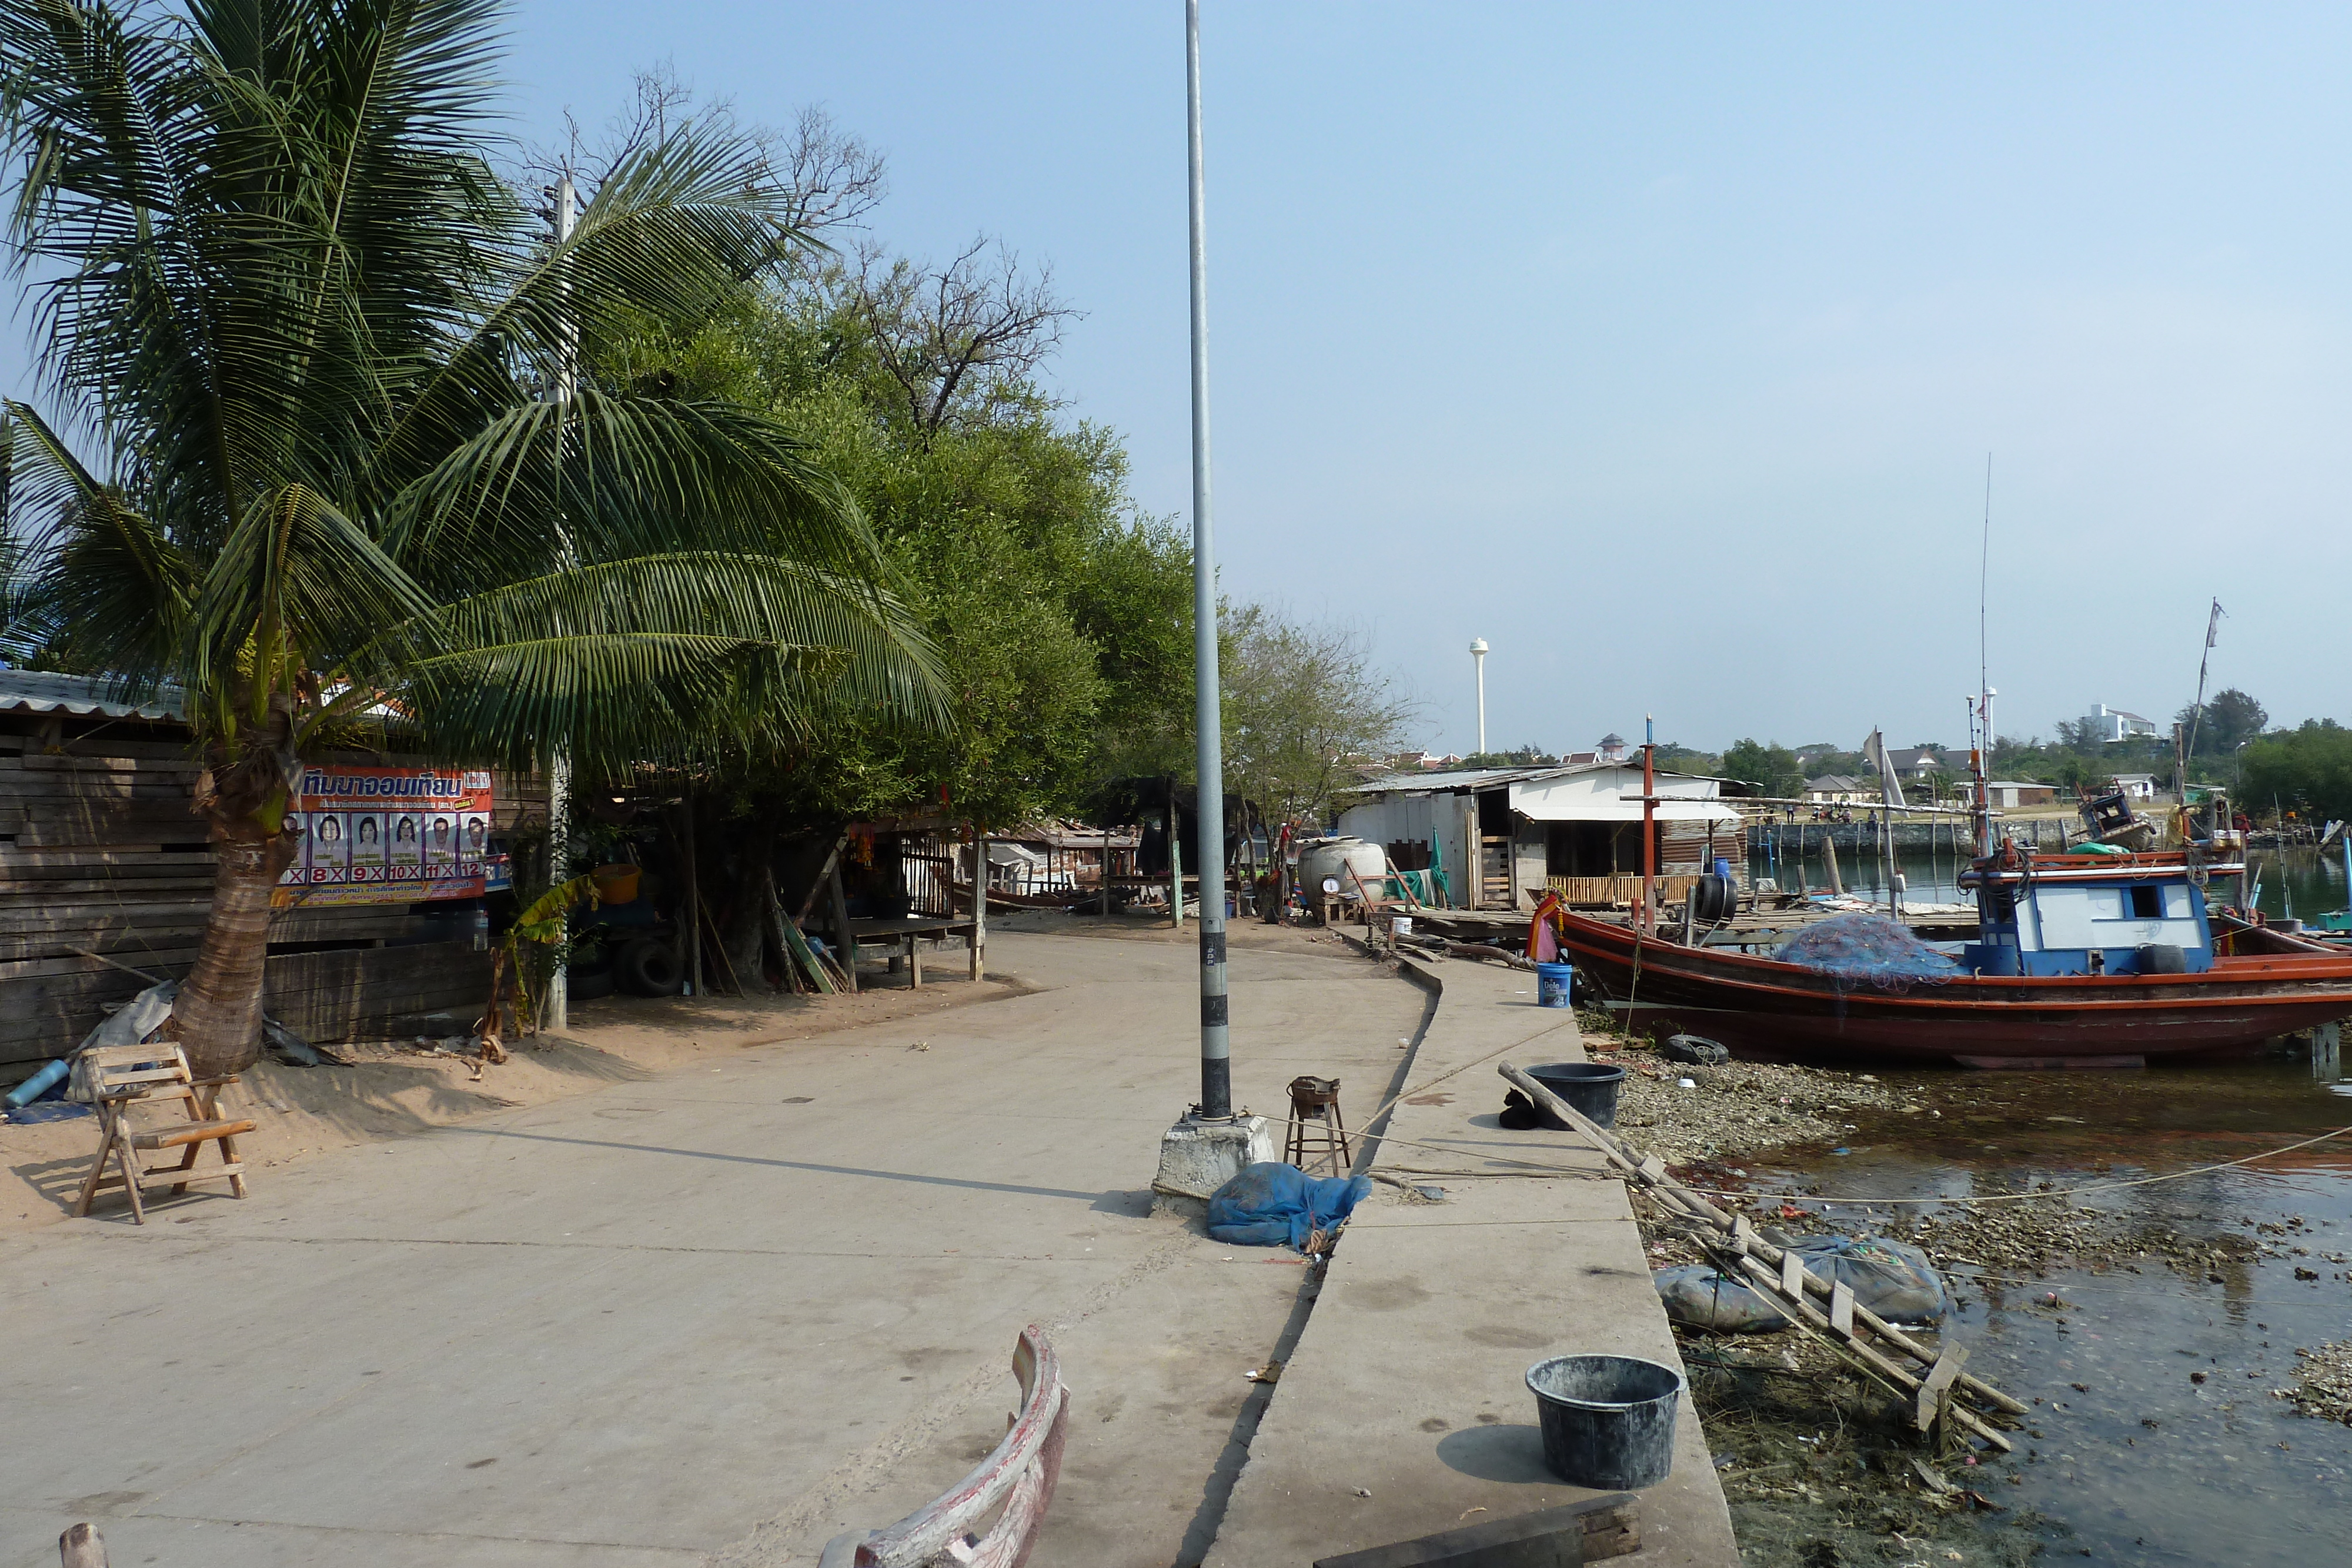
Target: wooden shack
<point x="105" y="870"/>
<point x="1573" y="829"/>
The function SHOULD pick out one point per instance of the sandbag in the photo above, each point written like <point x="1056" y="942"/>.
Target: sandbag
<point x="1275" y="1205"/>
<point x="1892" y="1278"/>
<point x="1700" y="1298"/>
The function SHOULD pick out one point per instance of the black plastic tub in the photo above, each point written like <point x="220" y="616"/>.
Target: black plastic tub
<point x="1607" y="1420"/>
<point x="1590" y="1087"/>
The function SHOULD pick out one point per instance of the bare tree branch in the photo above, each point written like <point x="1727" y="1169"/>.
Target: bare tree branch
<point x="835" y="178"/>
<point x="829" y="178"/>
<point x="957" y="337"/>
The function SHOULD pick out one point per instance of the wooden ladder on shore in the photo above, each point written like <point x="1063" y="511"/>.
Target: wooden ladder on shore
<point x="1826" y="1310"/>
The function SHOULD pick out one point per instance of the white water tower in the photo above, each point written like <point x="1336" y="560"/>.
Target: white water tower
<point x="1478" y="661"/>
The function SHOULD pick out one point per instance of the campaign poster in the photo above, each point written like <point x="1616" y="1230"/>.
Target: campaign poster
<point x="389" y="835"/>
<point x="441" y="846"/>
<point x="330" y="850"/>
<point x="369" y="851"/>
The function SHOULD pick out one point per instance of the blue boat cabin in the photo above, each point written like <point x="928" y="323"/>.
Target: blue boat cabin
<point x="2142" y="920"/>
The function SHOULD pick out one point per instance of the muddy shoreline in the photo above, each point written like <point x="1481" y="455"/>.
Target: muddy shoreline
<point x="1817" y="1464"/>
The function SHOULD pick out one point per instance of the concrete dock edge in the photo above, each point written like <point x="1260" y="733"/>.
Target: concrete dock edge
<point x="1404" y="1411"/>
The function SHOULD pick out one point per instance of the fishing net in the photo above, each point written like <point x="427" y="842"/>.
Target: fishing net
<point x="1869" y="948"/>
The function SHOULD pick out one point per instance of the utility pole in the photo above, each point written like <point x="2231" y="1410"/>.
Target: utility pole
<point x="1216" y="1043"/>
<point x="1479" y="659"/>
<point x="558" y="761"/>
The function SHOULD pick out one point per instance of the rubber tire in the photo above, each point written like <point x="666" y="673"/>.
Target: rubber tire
<point x="645" y="967"/>
<point x="588" y="982"/>
<point x="1714" y="898"/>
<point x="2162" y="959"/>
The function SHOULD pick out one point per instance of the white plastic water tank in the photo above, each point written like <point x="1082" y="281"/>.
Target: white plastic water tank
<point x="1319" y="859"/>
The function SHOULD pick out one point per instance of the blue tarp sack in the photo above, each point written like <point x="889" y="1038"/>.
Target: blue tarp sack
<point x="1275" y="1205"/>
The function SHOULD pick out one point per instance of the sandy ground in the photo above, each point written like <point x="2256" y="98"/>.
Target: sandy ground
<point x="395" y="1088"/>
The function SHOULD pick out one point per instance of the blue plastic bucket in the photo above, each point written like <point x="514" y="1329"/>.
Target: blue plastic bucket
<point x="1555" y="985"/>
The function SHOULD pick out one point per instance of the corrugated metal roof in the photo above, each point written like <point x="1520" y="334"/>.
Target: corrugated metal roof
<point x="1487" y="777"/>
<point x="1460" y="779"/>
<point x="37" y="691"/>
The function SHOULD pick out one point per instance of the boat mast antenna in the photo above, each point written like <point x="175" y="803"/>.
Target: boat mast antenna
<point x="1980" y="756"/>
<point x="2197" y="710"/>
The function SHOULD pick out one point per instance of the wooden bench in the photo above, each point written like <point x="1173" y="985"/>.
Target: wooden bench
<point x="912" y="930"/>
<point x="116" y="1079"/>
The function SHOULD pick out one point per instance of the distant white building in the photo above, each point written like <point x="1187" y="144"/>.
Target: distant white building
<point x="1838" y="790"/>
<point x="2136" y="785"/>
<point x="2009" y="794"/>
<point x="2111" y="723"/>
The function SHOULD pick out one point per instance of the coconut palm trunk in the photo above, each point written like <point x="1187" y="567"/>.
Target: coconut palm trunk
<point x="218" y="1011"/>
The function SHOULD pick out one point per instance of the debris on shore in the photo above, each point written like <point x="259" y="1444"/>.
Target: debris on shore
<point x="2323" y="1381"/>
<point x="1738" y="1108"/>
<point x="1818" y="1468"/>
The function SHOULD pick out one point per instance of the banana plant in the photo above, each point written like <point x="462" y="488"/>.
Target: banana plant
<point x="543" y="924"/>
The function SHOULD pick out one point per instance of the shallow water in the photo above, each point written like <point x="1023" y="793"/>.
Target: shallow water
<point x="2148" y="1466"/>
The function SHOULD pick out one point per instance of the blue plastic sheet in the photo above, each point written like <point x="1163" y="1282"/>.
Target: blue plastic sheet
<point x="1275" y="1205"/>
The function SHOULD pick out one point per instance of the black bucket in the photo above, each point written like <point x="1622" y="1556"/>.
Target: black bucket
<point x="1607" y="1420"/>
<point x="1590" y="1087"/>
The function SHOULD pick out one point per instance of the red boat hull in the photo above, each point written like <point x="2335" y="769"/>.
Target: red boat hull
<point x="1763" y="1006"/>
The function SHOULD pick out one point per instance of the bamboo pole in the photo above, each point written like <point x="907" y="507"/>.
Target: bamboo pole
<point x="1769" y="1266"/>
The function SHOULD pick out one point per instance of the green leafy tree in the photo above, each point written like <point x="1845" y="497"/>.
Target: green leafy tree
<point x="2231" y="716"/>
<point x="1682" y="758"/>
<point x="2306" y="770"/>
<point x="1063" y="617"/>
<point x="1770" y="766"/>
<point x="1304" y="709"/>
<point x="335" y="427"/>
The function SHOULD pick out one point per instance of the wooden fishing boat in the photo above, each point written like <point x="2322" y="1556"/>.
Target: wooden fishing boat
<point x="2081" y="960"/>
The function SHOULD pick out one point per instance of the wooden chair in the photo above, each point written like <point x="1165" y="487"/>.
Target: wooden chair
<point x="117" y="1077"/>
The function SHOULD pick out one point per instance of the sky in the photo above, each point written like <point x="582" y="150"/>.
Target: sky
<point x="1662" y="346"/>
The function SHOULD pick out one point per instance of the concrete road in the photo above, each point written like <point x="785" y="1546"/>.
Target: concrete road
<point x="725" y="1313"/>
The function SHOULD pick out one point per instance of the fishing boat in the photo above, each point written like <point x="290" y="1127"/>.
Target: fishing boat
<point x="2084" y="958"/>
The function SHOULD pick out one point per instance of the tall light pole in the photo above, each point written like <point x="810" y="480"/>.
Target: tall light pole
<point x="1216" y="1043"/>
<point x="558" y="761"/>
<point x="1478" y="661"/>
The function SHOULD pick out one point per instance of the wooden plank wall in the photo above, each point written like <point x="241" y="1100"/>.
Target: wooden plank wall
<point x="101" y="851"/>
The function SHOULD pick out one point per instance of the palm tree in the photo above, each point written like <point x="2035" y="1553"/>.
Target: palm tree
<point x="346" y="444"/>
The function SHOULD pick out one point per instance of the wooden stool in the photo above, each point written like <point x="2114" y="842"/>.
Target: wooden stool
<point x="1316" y="1100"/>
<point x="118" y="1077"/>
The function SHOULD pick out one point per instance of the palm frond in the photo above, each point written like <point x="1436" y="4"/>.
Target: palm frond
<point x="114" y="594"/>
<point x="316" y="340"/>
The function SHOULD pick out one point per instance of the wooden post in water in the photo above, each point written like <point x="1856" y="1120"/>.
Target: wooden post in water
<point x="1829" y="864"/>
